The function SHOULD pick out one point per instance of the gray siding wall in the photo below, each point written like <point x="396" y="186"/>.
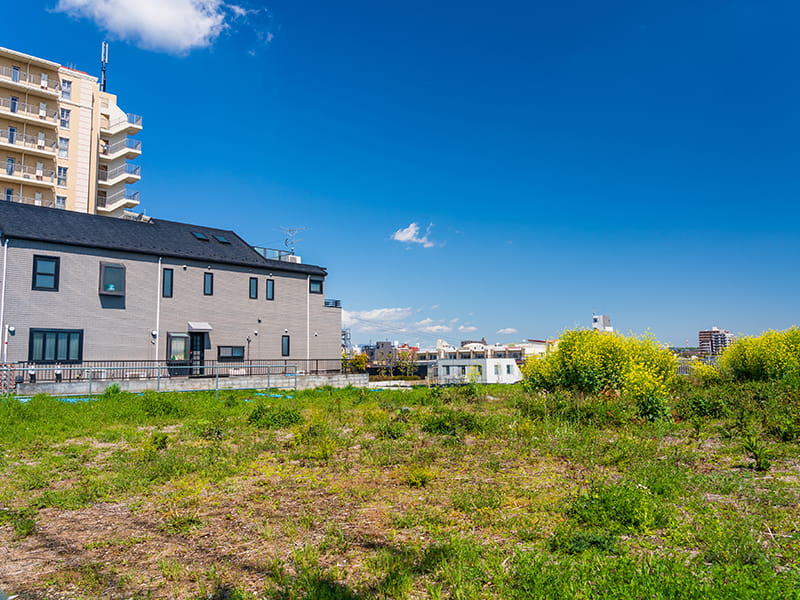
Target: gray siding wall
<point x="116" y="329"/>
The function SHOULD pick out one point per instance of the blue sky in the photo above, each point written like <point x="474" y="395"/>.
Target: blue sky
<point x="470" y="169"/>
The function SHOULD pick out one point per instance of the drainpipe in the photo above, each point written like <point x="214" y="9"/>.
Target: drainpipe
<point x="308" y="319"/>
<point x="158" y="308"/>
<point x="3" y="301"/>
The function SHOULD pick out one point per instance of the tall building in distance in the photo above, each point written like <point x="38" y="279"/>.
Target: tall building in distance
<point x="713" y="341"/>
<point x="64" y="142"/>
<point x="602" y="323"/>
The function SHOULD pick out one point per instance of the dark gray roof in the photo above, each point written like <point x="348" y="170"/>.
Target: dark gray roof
<point x="154" y="237"/>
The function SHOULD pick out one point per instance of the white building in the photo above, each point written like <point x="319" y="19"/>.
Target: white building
<point x="474" y="370"/>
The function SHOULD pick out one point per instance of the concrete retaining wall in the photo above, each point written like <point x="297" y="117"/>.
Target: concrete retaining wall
<point x="301" y="382"/>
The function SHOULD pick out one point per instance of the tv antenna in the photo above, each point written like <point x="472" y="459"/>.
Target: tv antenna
<point x="291" y="236"/>
<point x="103" y="65"/>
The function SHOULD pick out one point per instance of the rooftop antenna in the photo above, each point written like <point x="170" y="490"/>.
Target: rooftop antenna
<point x="103" y="65"/>
<point x="291" y="236"/>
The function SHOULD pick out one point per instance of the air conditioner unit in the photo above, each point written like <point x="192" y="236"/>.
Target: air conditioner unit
<point x="42" y="111"/>
<point x="40" y="141"/>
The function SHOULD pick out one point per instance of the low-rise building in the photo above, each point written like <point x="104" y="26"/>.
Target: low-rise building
<point x="79" y="287"/>
<point x="474" y="370"/>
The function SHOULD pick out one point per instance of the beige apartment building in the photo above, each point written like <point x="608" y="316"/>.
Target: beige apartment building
<point x="64" y="143"/>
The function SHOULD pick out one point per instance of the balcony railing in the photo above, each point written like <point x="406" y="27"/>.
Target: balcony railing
<point x="26" y="172"/>
<point x="28" y="200"/>
<point x="126" y="169"/>
<point x="30" y="110"/>
<point x="50" y="84"/>
<point x="130" y="119"/>
<point x="333" y="303"/>
<point x="27" y="141"/>
<point x="127" y="143"/>
<point x="127" y="195"/>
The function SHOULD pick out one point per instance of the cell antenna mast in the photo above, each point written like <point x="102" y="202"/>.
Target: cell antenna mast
<point x="291" y="236"/>
<point x="103" y="65"/>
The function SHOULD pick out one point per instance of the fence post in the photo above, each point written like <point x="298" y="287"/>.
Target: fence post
<point x="216" y="382"/>
<point x="90" y="381"/>
<point x="158" y="378"/>
<point x="269" y="387"/>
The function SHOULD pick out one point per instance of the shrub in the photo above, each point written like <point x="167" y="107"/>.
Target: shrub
<point x="704" y="374"/>
<point x="772" y="355"/>
<point x="274" y="417"/>
<point x="155" y="404"/>
<point x="623" y="505"/>
<point x="590" y="361"/>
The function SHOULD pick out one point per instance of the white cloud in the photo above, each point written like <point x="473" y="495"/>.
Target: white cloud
<point x="507" y="330"/>
<point x="410" y="235"/>
<point x="436" y="329"/>
<point x="467" y="328"/>
<point x="373" y="319"/>
<point x="174" y="26"/>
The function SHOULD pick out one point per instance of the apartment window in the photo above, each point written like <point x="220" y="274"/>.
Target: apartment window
<point x="177" y="346"/>
<point x="45" y="273"/>
<point x="284" y="345"/>
<point x="508" y="369"/>
<point x="112" y="279"/>
<point x="208" y="284"/>
<point x="13" y="102"/>
<point x="10" y="165"/>
<point x="64" y="121"/>
<point x="63" y="147"/>
<point x="44" y="80"/>
<point x="55" y="345"/>
<point x="42" y="109"/>
<point x="61" y="202"/>
<point x="270" y="289"/>
<point x="66" y="89"/>
<point x="230" y="353"/>
<point x="61" y="181"/>
<point x="12" y="135"/>
<point x="9" y="195"/>
<point x="315" y="286"/>
<point x="37" y="198"/>
<point x="15" y="74"/>
<point x="166" y="283"/>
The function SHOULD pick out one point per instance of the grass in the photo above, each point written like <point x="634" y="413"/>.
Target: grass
<point x="474" y="492"/>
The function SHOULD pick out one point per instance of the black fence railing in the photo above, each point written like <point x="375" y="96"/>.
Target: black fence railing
<point x="122" y="370"/>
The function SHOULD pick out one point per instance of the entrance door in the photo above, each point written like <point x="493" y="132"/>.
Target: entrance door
<point x="197" y="348"/>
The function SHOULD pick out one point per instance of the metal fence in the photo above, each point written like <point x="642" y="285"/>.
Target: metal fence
<point x="126" y="370"/>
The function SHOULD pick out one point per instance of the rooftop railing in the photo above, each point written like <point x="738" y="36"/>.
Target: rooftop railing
<point x="273" y="253"/>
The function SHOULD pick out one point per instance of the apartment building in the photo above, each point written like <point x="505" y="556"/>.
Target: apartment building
<point x="88" y="288"/>
<point x="713" y="341"/>
<point x="64" y="143"/>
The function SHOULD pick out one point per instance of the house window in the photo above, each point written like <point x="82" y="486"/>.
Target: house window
<point x="112" y="279"/>
<point x="208" y="284"/>
<point x="166" y="283"/>
<point x="270" y="289"/>
<point x="13" y="102"/>
<point x="45" y="273"/>
<point x="66" y="89"/>
<point x="64" y="121"/>
<point x="63" y="147"/>
<point x="61" y="202"/>
<point x="315" y="286"/>
<point x="253" y="288"/>
<point x="285" y="345"/>
<point x="177" y="346"/>
<point x="56" y="345"/>
<point x="230" y="353"/>
<point x="61" y="181"/>
<point x="9" y="195"/>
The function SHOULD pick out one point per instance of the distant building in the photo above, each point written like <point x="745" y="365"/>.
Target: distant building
<point x="713" y="341"/>
<point x="602" y="323"/>
<point x="476" y="370"/>
<point x="64" y="142"/>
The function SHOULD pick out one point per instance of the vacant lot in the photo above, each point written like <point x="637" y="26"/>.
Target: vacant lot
<point x="444" y="493"/>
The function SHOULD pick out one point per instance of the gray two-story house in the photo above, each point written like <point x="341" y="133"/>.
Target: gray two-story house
<point x="78" y="287"/>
